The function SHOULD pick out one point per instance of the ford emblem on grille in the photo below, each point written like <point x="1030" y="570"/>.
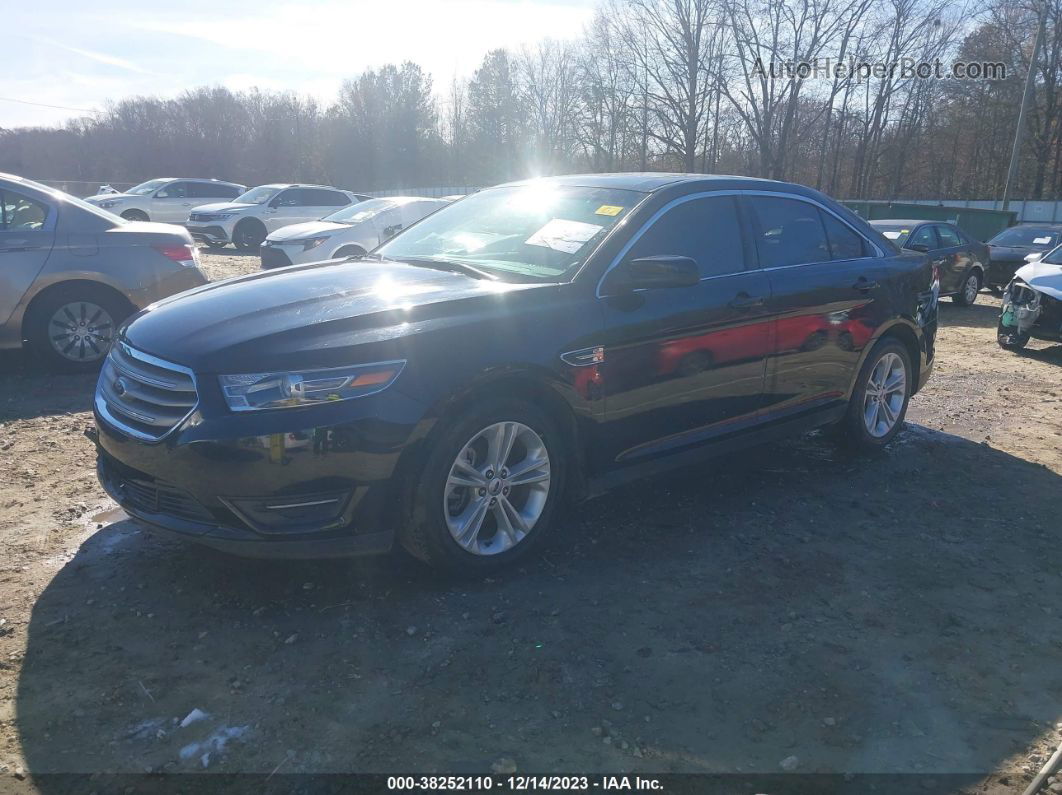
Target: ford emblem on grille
<point x="120" y="386"/>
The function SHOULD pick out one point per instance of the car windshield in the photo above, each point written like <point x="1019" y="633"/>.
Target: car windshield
<point x="1035" y="237"/>
<point x="258" y="195"/>
<point x="363" y="211"/>
<point x="531" y="233"/>
<point x="897" y="233"/>
<point x="145" y="188"/>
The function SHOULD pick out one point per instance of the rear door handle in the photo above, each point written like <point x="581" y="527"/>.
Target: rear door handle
<point x="17" y="245"/>
<point x="744" y="301"/>
<point x="863" y="285"/>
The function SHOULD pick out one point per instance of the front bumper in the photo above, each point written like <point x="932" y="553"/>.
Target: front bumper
<point x="274" y="256"/>
<point x="252" y="486"/>
<point x="208" y="234"/>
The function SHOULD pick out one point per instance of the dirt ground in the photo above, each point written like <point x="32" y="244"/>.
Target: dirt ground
<point x="895" y="614"/>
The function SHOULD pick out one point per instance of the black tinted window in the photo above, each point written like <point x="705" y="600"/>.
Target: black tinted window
<point x="790" y="232"/>
<point x="317" y="197"/>
<point x="210" y="190"/>
<point x="19" y="213"/>
<point x="289" y="198"/>
<point x="948" y="236"/>
<point x="844" y="242"/>
<point x="705" y="229"/>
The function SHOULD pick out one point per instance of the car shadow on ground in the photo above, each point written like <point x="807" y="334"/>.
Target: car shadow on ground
<point x="33" y="391"/>
<point x="895" y="614"/>
<point x="979" y="315"/>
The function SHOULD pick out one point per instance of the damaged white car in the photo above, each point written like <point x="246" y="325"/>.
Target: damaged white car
<point x="1032" y="303"/>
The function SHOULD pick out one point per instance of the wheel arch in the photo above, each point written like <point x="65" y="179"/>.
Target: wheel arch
<point x="60" y="284"/>
<point x="538" y="387"/>
<point x="903" y="331"/>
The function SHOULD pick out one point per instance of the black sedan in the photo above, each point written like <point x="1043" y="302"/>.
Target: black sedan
<point x="530" y="343"/>
<point x="960" y="260"/>
<point x="1008" y="250"/>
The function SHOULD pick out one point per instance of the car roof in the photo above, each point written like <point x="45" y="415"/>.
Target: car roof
<point x="300" y="185"/>
<point x="648" y="182"/>
<point x="1041" y="224"/>
<point x="906" y="221"/>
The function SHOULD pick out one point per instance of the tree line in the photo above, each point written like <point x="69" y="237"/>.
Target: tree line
<point x="710" y="86"/>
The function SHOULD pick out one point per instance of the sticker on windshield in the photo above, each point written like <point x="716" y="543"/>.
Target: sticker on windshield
<point x="1041" y="241"/>
<point x="608" y="209"/>
<point x="562" y="235"/>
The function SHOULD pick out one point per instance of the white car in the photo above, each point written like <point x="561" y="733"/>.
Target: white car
<point x="168" y="199"/>
<point x="246" y="220"/>
<point x="350" y="232"/>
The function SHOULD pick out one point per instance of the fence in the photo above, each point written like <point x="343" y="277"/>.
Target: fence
<point x="1040" y="211"/>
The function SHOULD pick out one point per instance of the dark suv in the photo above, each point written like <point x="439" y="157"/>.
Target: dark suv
<point x="533" y="341"/>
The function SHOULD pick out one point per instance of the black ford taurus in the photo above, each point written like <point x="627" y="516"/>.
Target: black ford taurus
<point x="533" y="342"/>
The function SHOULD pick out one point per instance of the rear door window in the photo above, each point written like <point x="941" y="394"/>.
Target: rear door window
<point x="707" y="230"/>
<point x="844" y="242"/>
<point x="789" y="232"/>
<point x="211" y="190"/>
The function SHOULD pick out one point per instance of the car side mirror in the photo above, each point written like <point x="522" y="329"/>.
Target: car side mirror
<point x="922" y="247"/>
<point x="657" y="272"/>
<point x="1034" y="256"/>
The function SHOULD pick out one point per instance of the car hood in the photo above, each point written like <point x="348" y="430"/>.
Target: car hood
<point x="107" y="197"/>
<point x="1042" y="277"/>
<point x="222" y="207"/>
<point x="324" y="314"/>
<point x="308" y="229"/>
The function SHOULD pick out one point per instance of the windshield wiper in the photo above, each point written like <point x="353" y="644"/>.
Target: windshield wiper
<point x="445" y="265"/>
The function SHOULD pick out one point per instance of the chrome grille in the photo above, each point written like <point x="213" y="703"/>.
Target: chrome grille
<point x="144" y="396"/>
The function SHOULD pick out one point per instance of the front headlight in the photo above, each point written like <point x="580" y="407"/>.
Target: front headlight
<point x="222" y="216"/>
<point x="307" y="243"/>
<point x="108" y="205"/>
<point x="254" y="391"/>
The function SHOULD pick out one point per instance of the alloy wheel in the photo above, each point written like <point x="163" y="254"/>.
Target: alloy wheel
<point x="884" y="395"/>
<point x="971" y="288"/>
<point x="497" y="488"/>
<point x="81" y="331"/>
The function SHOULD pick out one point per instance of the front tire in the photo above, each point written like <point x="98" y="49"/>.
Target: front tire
<point x="488" y="489"/>
<point x="248" y="235"/>
<point x="350" y="251"/>
<point x="971" y="286"/>
<point x="71" y="327"/>
<point x="135" y="215"/>
<point x="878" y="405"/>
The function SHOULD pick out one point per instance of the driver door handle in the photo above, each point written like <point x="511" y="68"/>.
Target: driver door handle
<point x="743" y="301"/>
<point x="863" y="285"/>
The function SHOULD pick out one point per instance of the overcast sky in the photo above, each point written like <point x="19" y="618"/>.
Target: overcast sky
<point x="81" y="54"/>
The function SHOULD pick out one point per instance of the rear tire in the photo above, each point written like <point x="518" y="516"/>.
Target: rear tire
<point x="249" y="234"/>
<point x="70" y="328"/>
<point x="438" y="506"/>
<point x="135" y="215"/>
<point x="969" y="289"/>
<point x="871" y="423"/>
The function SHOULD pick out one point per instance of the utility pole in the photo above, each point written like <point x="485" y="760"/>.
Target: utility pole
<point x="1026" y="100"/>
